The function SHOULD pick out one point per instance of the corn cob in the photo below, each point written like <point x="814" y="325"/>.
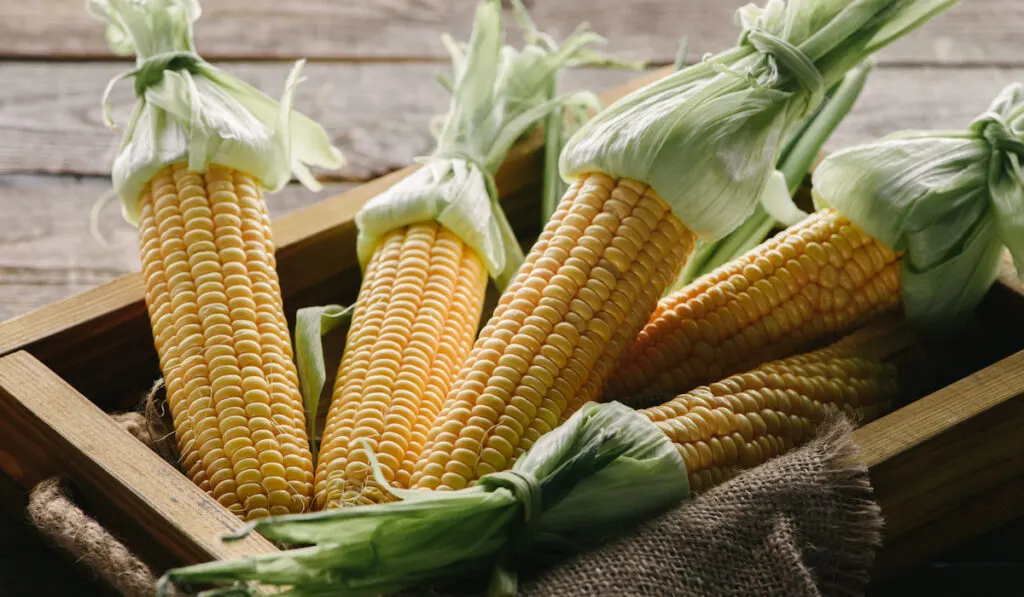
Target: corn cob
<point x="586" y="287"/>
<point x="212" y="291"/>
<point x="414" y="323"/>
<point x="221" y="335"/>
<point x="749" y="418"/>
<point x="418" y="312"/>
<point x="815" y="280"/>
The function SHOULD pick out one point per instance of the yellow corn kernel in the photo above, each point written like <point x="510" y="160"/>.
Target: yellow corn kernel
<point x="746" y="419"/>
<point x="219" y="329"/>
<point x="817" y="279"/>
<point x="587" y="286"/>
<point x="414" y="323"/>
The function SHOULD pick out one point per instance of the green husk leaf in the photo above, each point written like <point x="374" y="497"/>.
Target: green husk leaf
<point x="777" y="202"/>
<point x="499" y="93"/>
<point x="564" y="495"/>
<point x="189" y="110"/>
<point x="553" y="187"/>
<point x="706" y="138"/>
<point x="311" y="325"/>
<point x="776" y="205"/>
<point x="950" y="200"/>
<point x="682" y="53"/>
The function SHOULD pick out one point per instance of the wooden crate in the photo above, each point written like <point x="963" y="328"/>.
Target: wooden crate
<point x="945" y="467"/>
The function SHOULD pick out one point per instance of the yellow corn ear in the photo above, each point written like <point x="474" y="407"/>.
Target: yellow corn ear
<point x="588" y="285"/>
<point x="811" y="282"/>
<point x="746" y="419"/>
<point x="414" y="323"/>
<point x="218" y="323"/>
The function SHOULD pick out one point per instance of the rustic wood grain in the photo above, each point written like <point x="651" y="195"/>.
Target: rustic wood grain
<point x="381" y="126"/>
<point x="50" y="428"/>
<point x="47" y="251"/>
<point x="974" y="32"/>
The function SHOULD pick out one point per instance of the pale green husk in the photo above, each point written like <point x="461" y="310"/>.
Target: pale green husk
<point x="312" y="324"/>
<point x="601" y="473"/>
<point x="776" y="205"/>
<point x="498" y="94"/>
<point x="951" y="201"/>
<point x="707" y="138"/>
<point x="190" y="111"/>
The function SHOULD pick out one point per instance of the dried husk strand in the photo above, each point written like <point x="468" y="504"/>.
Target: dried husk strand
<point x="951" y="201"/>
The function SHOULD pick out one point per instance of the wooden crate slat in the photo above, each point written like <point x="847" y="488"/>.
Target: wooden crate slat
<point x="937" y="452"/>
<point x="974" y="516"/>
<point x="48" y="427"/>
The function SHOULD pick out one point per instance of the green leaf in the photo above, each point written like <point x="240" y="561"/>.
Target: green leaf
<point x="311" y="325"/>
<point x="775" y="204"/>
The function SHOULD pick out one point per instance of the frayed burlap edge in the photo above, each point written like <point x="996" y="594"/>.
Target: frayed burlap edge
<point x="852" y="486"/>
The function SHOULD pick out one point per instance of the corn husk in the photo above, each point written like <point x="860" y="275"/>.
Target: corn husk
<point x="498" y="94"/>
<point x="311" y="325"/>
<point x="707" y="138"/>
<point x="776" y="205"/>
<point x="190" y="111"/>
<point x="568" y="492"/>
<point x="951" y="201"/>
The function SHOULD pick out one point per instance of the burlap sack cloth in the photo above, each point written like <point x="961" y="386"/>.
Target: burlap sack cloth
<point x="802" y="525"/>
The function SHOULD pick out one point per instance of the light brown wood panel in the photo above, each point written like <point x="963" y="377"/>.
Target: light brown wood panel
<point x="49" y="428"/>
<point x="381" y="124"/>
<point x="377" y="114"/>
<point x="974" y="32"/>
<point x="48" y="253"/>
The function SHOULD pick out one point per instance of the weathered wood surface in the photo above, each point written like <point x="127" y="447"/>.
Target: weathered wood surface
<point x="974" y="32"/>
<point x="378" y="114"/>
